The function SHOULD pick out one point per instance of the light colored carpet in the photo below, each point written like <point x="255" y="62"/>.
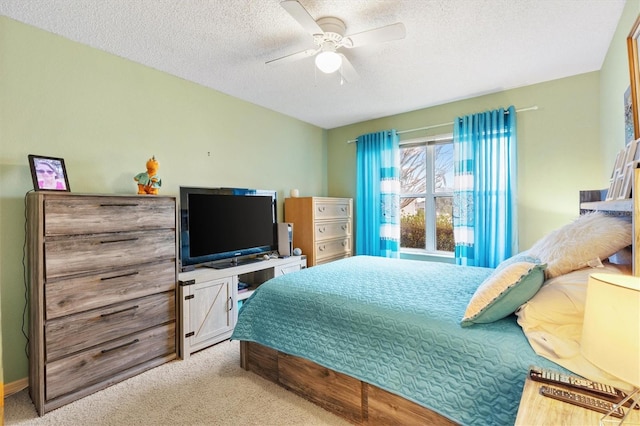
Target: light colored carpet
<point x="209" y="388"/>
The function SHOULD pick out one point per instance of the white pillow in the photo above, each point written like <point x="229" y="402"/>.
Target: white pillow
<point x="591" y="236"/>
<point x="560" y="301"/>
<point x="552" y="321"/>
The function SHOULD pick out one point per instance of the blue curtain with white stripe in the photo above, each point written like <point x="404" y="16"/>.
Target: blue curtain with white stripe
<point x="484" y="203"/>
<point x="378" y="194"/>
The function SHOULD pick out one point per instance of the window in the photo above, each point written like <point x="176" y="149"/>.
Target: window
<point x="426" y="198"/>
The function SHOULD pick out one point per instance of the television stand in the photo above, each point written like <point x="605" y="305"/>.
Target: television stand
<point x="236" y="261"/>
<point x="209" y="301"/>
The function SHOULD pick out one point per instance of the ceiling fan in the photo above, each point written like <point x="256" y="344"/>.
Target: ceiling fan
<point x="329" y="36"/>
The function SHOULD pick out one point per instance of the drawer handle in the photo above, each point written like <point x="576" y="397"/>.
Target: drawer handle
<point x="321" y="209"/>
<point x="321" y="230"/>
<point x="120" y="311"/>
<point x="344" y="227"/>
<point x="119" y="276"/>
<point x="321" y="248"/>
<point x="124" y="240"/>
<point x="120" y="205"/>
<point x="104" y="351"/>
<point x="230" y="304"/>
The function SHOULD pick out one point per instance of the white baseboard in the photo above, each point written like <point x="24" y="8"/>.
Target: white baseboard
<point x="15" y="387"/>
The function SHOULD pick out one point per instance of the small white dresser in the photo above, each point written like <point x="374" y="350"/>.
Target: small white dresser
<point x="322" y="227"/>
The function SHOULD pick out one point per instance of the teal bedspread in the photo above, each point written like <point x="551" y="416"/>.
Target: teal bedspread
<point x="396" y="324"/>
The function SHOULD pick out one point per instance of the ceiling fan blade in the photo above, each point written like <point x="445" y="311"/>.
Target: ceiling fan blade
<point x="387" y="33"/>
<point x="347" y="70"/>
<point x="300" y="14"/>
<point x="293" y="57"/>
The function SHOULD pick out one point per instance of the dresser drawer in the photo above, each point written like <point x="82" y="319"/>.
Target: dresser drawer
<point x="331" y="209"/>
<point x="95" y="215"/>
<point x="74" y="333"/>
<point x="333" y="248"/>
<point x="89" y="253"/>
<point x="102" y="362"/>
<point x="329" y="230"/>
<point x="68" y="296"/>
<point x="332" y="259"/>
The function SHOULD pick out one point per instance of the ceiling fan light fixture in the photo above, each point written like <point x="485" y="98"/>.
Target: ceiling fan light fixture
<point x="328" y="61"/>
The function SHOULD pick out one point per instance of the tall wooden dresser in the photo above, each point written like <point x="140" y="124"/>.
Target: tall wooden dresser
<point x="321" y="227"/>
<point x="102" y="275"/>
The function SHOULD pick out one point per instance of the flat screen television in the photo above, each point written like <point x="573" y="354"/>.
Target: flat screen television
<point x="223" y="227"/>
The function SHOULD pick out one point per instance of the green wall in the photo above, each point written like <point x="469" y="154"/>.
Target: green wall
<point x="557" y="147"/>
<point x="614" y="80"/>
<point x="106" y="116"/>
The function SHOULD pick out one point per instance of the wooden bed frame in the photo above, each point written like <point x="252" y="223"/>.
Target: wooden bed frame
<point x="354" y="400"/>
<point x="362" y="403"/>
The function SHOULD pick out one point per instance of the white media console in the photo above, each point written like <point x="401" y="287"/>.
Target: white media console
<point x="209" y="299"/>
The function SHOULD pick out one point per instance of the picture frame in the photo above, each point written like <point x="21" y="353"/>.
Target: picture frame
<point x="48" y="173"/>
<point x="630" y="152"/>
<point x="627" y="182"/>
<point x="623" y="172"/>
<point x="634" y="74"/>
<point x="617" y="175"/>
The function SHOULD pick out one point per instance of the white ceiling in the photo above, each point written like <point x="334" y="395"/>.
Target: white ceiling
<point x="454" y="49"/>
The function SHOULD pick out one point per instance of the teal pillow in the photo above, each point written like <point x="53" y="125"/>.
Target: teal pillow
<point x="514" y="282"/>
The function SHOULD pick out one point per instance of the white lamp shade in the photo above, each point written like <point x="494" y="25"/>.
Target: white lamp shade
<point x="328" y="61"/>
<point x="611" y="329"/>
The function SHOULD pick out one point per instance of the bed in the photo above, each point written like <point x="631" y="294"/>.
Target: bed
<point x="381" y="341"/>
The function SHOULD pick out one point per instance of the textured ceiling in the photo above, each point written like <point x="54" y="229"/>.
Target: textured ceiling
<point x="454" y="49"/>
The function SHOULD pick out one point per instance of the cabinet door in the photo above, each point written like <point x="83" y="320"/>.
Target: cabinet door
<point x="286" y="269"/>
<point x="210" y="310"/>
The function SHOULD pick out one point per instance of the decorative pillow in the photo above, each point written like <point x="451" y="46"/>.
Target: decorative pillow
<point x="552" y="321"/>
<point x="512" y="283"/>
<point x="591" y="236"/>
<point x="622" y="257"/>
<point x="560" y="302"/>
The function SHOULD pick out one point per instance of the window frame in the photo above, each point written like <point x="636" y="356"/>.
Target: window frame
<point x="430" y="195"/>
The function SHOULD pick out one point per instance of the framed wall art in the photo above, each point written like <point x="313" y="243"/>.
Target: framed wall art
<point x="629" y="127"/>
<point x="48" y="173"/>
<point x="634" y="74"/>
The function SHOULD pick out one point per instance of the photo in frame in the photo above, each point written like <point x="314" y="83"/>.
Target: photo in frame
<point x="48" y="173"/>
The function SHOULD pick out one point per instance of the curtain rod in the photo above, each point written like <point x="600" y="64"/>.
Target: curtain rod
<point x="532" y="108"/>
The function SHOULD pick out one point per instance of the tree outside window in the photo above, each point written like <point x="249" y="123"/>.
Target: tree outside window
<point x="426" y="200"/>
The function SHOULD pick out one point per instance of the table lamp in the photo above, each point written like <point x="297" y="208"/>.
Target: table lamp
<point x="611" y="329"/>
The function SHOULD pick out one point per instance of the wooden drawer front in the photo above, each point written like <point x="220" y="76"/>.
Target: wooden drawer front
<point x="331" y="259"/>
<point x="74" y="333"/>
<point x="332" y="209"/>
<point x="329" y="230"/>
<point x="68" y="296"/>
<point x="333" y="248"/>
<point x="333" y="391"/>
<point x="68" y="256"/>
<point x="99" y="363"/>
<point x="95" y="215"/>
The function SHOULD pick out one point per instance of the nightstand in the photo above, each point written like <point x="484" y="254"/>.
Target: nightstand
<point x="537" y="410"/>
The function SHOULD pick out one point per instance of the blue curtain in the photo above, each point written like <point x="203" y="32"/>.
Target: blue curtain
<point x="484" y="202"/>
<point x="378" y="194"/>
